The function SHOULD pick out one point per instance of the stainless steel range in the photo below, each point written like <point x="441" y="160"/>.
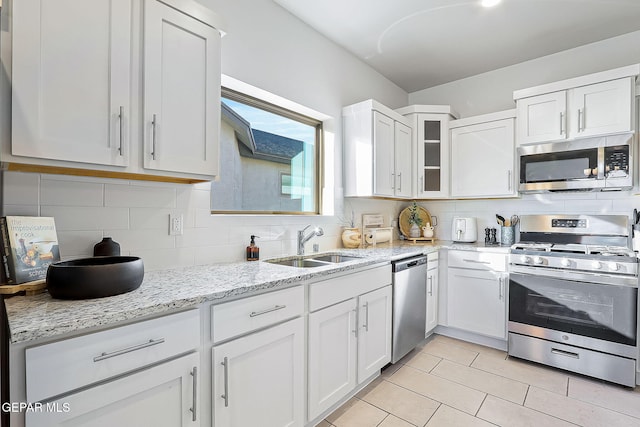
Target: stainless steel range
<point x="573" y="295"/>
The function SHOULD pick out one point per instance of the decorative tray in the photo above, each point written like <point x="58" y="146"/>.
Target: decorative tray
<point x="404" y="225"/>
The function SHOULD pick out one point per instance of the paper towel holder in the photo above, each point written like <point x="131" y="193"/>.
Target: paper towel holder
<point x="373" y="230"/>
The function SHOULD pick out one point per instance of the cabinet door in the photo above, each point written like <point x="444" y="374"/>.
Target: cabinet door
<point x="600" y="108"/>
<point x="332" y="355"/>
<point x="258" y="380"/>
<point x="70" y="80"/>
<point x="432" y="298"/>
<point x="476" y="302"/>
<point x="163" y="396"/>
<point x="403" y="160"/>
<point x="485" y="150"/>
<point x="181" y="92"/>
<point x="383" y="143"/>
<point x="374" y="336"/>
<point x="542" y="118"/>
<point x="432" y="158"/>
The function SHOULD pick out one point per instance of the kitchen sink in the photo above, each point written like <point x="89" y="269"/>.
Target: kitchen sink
<point x="335" y="258"/>
<point x="299" y="262"/>
<point x="313" y="261"/>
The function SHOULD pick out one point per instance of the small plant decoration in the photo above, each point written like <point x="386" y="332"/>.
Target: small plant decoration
<point x="414" y="215"/>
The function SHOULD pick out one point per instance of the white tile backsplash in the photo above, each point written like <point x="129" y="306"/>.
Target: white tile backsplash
<point x="136" y="215"/>
<point x="140" y="196"/>
<point x="71" y="193"/>
<point x="87" y="218"/>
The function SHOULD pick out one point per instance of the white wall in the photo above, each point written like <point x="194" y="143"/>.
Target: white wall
<point x="493" y="91"/>
<point x="268" y="48"/>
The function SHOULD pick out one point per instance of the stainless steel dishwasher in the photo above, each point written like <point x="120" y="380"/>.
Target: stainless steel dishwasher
<point x="409" y="305"/>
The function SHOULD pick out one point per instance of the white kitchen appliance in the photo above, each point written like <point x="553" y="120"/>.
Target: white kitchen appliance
<point x="464" y="229"/>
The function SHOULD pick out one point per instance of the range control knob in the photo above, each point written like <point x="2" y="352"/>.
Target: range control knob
<point x="613" y="266"/>
<point x="525" y="259"/>
<point x="596" y="265"/>
<point x="538" y="260"/>
<point x="565" y="262"/>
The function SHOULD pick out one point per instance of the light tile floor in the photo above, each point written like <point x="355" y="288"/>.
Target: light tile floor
<point x="452" y="383"/>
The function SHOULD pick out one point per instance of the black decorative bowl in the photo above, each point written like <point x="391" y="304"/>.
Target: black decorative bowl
<point x="96" y="277"/>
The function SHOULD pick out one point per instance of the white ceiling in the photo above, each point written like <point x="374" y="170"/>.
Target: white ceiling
<point x="423" y="43"/>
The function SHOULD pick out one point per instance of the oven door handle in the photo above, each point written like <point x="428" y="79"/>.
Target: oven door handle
<point x="583" y="276"/>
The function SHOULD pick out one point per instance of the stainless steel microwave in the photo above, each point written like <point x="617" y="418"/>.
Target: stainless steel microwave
<point x="590" y="164"/>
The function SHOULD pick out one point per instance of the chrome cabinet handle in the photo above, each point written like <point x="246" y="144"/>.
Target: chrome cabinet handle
<point x="153" y="138"/>
<point x="430" y="285"/>
<point x="580" y="120"/>
<point x="400" y="179"/>
<point x="150" y="343"/>
<point x="268" y="310"/>
<point x="422" y="184"/>
<point x="393" y="181"/>
<point x="355" y="331"/>
<point x="509" y="179"/>
<point x="565" y="353"/>
<point x="477" y="262"/>
<point x="121" y="118"/>
<point x="194" y="408"/>
<point x="225" y="396"/>
<point x="500" y="292"/>
<point x="366" y="316"/>
<point x="562" y="123"/>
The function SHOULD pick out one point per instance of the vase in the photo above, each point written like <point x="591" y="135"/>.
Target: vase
<point x="107" y="247"/>
<point x="414" y="231"/>
<point x="351" y="237"/>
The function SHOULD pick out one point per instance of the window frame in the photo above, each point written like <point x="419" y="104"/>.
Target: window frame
<point x="318" y="151"/>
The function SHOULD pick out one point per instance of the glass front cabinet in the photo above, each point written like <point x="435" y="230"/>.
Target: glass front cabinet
<point x="431" y="148"/>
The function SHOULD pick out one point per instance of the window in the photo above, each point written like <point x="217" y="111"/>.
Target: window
<point x="269" y="159"/>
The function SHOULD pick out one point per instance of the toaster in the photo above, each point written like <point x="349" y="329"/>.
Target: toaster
<point x="464" y="229"/>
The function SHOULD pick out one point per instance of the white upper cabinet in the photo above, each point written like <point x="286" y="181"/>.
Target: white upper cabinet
<point x="403" y="161"/>
<point x="378" y="149"/>
<point x="483" y="147"/>
<point x="181" y="92"/>
<point x="542" y="118"/>
<point x="127" y="87"/>
<point x="596" y="104"/>
<point x="601" y="108"/>
<point x="71" y="80"/>
<point x="430" y="149"/>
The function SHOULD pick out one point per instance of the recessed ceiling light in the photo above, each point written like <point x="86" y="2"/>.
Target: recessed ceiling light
<point x="489" y="3"/>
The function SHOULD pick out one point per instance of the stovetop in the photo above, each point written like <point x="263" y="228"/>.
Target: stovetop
<point x="573" y="248"/>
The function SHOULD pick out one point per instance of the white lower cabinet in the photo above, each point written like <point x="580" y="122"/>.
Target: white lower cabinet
<point x="332" y="355"/>
<point x="476" y="293"/>
<point x="258" y="379"/>
<point x="348" y="343"/>
<point x="165" y="395"/>
<point x="374" y="336"/>
<point x="432" y="292"/>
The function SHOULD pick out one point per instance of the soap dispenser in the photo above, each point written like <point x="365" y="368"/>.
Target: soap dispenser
<point x="253" y="252"/>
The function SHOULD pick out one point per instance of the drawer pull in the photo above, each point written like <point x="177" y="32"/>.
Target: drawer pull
<point x="150" y="343"/>
<point x="225" y="396"/>
<point x="476" y="261"/>
<point x="565" y="353"/>
<point x="268" y="310"/>
<point x="194" y="408"/>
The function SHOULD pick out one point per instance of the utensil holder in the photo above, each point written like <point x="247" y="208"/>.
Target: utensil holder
<point x="507" y="235"/>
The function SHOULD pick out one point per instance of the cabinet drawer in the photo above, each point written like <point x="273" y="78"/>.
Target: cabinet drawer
<point x="329" y="292"/>
<point x="62" y="366"/>
<point x="478" y="260"/>
<point x="249" y="314"/>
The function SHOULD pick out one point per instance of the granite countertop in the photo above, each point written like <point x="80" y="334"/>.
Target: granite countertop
<point x="40" y="316"/>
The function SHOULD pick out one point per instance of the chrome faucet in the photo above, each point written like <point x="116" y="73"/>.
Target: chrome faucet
<point x="302" y="239"/>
